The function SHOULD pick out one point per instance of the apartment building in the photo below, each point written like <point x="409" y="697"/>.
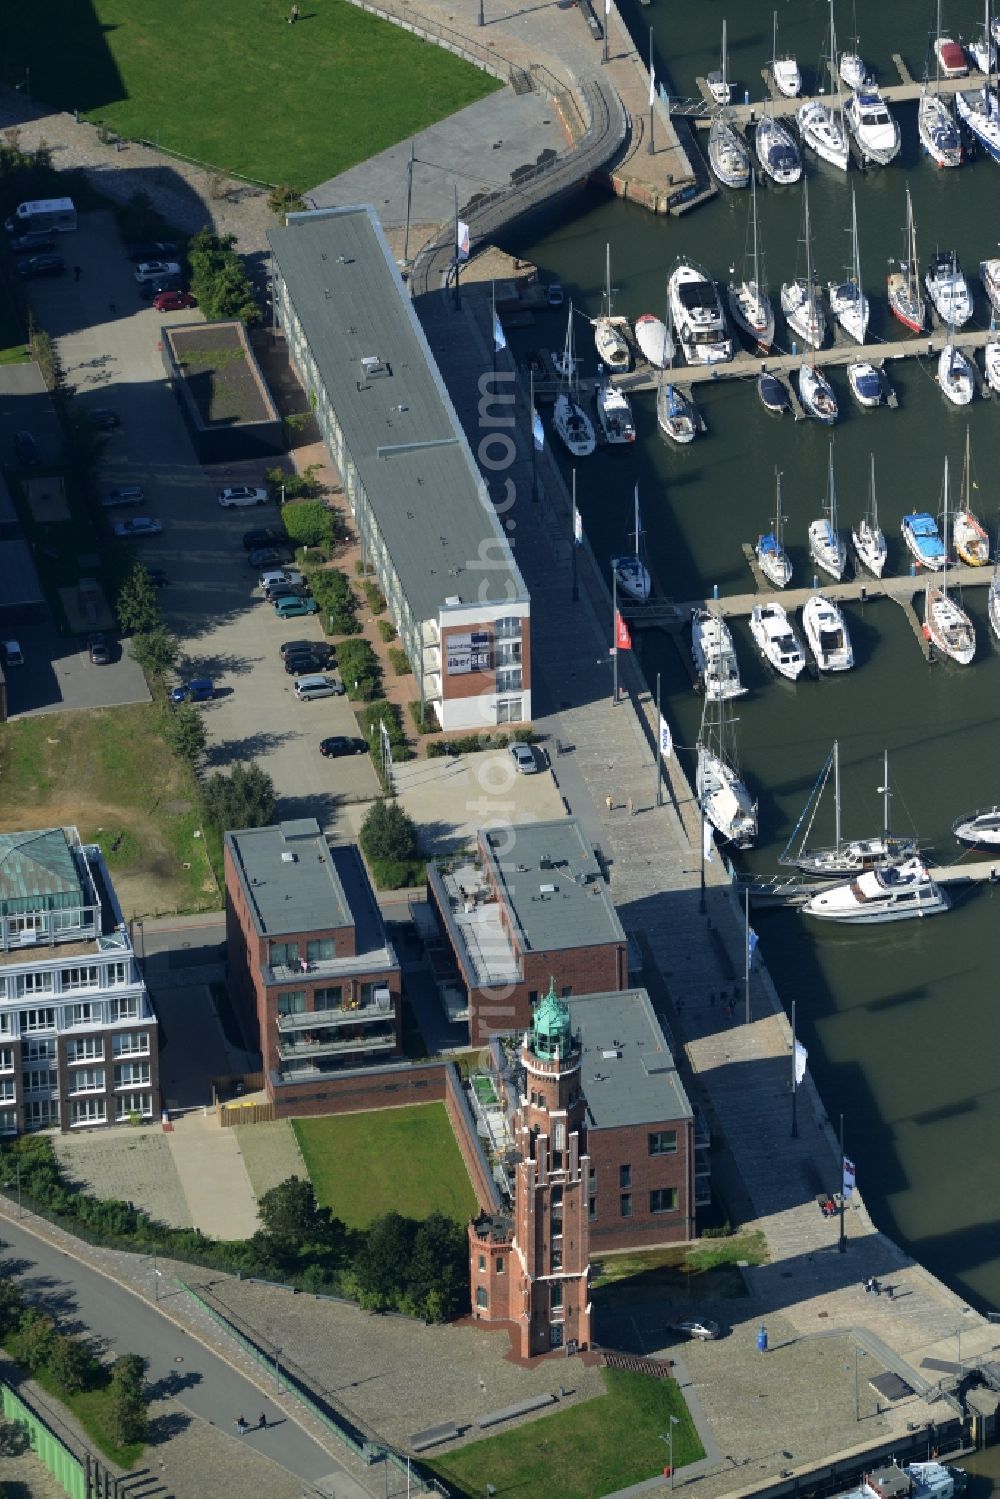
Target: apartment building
<point x="78" y="1035"/>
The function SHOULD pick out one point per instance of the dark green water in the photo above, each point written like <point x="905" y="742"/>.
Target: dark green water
<point x="902" y="1021"/>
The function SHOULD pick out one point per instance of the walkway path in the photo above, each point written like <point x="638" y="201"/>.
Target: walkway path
<point x="214" y="1179"/>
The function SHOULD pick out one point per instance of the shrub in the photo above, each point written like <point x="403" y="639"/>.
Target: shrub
<point x="137" y="606"/>
<point x="374" y="596"/>
<point x="386" y="630"/>
<point x="359" y="669"/>
<point x="301" y="486"/>
<point x="398" y="874"/>
<point x="219" y="280"/>
<point x="387" y="713"/>
<point x="472" y="744"/>
<point x="425" y="722"/>
<point x="73" y="1365"/>
<point x="242" y="799"/>
<point x="34" y="1342"/>
<point x="46" y="356"/>
<point x="332" y="592"/>
<point x="363" y="568"/>
<point x="184" y="731"/>
<point x="399" y="661"/>
<point x="155" y="651"/>
<point x="284" y="199"/>
<point x="388" y="832"/>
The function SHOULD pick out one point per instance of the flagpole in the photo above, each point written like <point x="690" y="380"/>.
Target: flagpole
<point x="607" y="17"/>
<point x="746" y="945"/>
<point x="614" y="633"/>
<point x="409" y="200"/>
<point x="493" y="329"/>
<point x="651" y="93"/>
<point x="842" y="1245"/>
<point x="531" y="424"/>
<point x="795" y="1073"/>
<point x="458" y="258"/>
<point x="573" y="544"/>
<point x="659" y="747"/>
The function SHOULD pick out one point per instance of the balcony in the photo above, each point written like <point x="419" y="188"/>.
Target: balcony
<point x="310" y="1020"/>
<point x="368" y="962"/>
<point x="374" y="1043"/>
<point x="472" y="917"/>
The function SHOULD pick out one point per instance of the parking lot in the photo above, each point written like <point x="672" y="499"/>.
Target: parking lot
<point x="58" y="675"/>
<point x="211" y="601"/>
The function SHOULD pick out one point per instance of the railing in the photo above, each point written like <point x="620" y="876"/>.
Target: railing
<point x="303" y="1020"/>
<point x="294" y="1049"/>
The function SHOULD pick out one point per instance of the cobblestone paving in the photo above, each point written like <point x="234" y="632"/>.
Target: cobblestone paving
<point x="133" y="1165"/>
<point x="270" y="1154"/>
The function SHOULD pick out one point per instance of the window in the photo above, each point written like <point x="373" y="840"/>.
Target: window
<point x="663" y="1142"/>
<point x="567" y="991"/>
<point x="34" y="983"/>
<point x="6" y="1059"/>
<point x="508" y="680"/>
<point x="507" y="629"/>
<point x="284" y="955"/>
<point x="40" y="1112"/>
<point x="624" y="1176"/>
<point x="625" y="1205"/>
<point x="117" y="973"/>
<point x="593" y="1209"/>
<point x="327" y="999"/>
<point x="67" y="921"/>
<point x="127" y="1104"/>
<point x="509" y="710"/>
<point x="88" y="1080"/>
<point x="559" y="1134"/>
<point x="38" y="1081"/>
<point x="132" y="1075"/>
<point x="126" y="1008"/>
<point x="90" y="1049"/>
<point x="592" y="1178"/>
<point x="38" y="1020"/>
<point x="498" y="1264"/>
<point x="532" y="997"/>
<point x="663" y="1200"/>
<point x="8" y="1122"/>
<point x="89" y="1111"/>
<point x="508" y="653"/>
<point x="7" y="1090"/>
<point x="27" y="926"/>
<point x="322" y="950"/>
<point x="482" y="1262"/>
<point x="557" y="1257"/>
<point x="80" y="978"/>
<point x="292" y="1003"/>
<point x="87" y="1013"/>
<point x="555" y="1296"/>
<point x="132" y="1044"/>
<point x="482" y="1297"/>
<point x="40" y="1050"/>
<point x="6" y="1023"/>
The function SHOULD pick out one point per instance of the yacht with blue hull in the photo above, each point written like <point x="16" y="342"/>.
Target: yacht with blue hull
<point x="979" y="111"/>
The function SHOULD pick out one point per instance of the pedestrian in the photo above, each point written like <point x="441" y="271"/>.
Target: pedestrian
<point x="609" y="802"/>
<point x="262" y="1423"/>
<point x="241" y="1426"/>
<point x="890" y="1291"/>
<point x="867" y="1283"/>
<point x="877" y="1287"/>
<point x="77" y="272"/>
<point x="631" y="807"/>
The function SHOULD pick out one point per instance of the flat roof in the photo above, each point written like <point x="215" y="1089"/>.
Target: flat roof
<point x="552" y="884"/>
<point x="628" y="1072"/>
<point x="19" y="583"/>
<point x="431" y="506"/>
<point x="289" y="878"/>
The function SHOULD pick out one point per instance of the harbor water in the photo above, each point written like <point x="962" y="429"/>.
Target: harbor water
<point x="902" y="1021"/>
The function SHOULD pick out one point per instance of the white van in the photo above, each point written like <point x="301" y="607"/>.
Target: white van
<point x="306" y="688"/>
<point x="42" y="213"/>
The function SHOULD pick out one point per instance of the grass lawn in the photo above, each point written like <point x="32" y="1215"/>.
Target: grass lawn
<point x="707" y="1270"/>
<point x="587" y="1450"/>
<point x="232" y="84"/>
<point x="364" y="1165"/>
<point x="110" y="773"/>
<point x="92" y="1408"/>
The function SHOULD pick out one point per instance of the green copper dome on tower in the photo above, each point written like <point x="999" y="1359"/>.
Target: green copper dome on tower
<point x="550" y="1025"/>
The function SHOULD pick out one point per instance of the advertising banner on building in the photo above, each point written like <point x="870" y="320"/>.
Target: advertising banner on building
<point x="465" y="653"/>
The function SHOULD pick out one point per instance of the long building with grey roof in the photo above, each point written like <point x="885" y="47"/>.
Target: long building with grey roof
<point x="424" y="515"/>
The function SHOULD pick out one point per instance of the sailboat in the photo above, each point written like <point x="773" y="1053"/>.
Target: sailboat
<point x="722" y="795"/>
<point x="715" y="655"/>
<point x="728" y="153"/>
<point x="718" y="82"/>
<point x="946" y="625"/>
<point x="979" y="112"/>
<point x="676" y="414"/>
<point x="612" y="349"/>
<point x="800" y="298"/>
<point x="822" y="125"/>
<point x="971" y="541"/>
<point x="867" y="535"/>
<point x="983" y="52"/>
<point x="772" y="559"/>
<point x="852" y="65"/>
<point x="845" y="857"/>
<point x="784" y="69"/>
<point x="906" y="302"/>
<point x="948" y="288"/>
<point x="848" y="302"/>
<point x="993" y="598"/>
<point x="749" y="304"/>
<point x="935" y="123"/>
<point x="779" y="156"/>
<point x="956" y="376"/>
<point x="826" y="545"/>
<point x="631" y="573"/>
<point x="569" y="420"/>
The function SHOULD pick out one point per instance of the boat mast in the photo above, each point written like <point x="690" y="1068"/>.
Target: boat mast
<point x="724" y="78"/>
<point x="873" y="500"/>
<point x="836" y="792"/>
<point x="911" y="262"/>
<point x="812" y="317"/>
<point x="753" y="211"/>
<point x="607" y="280"/>
<point x="778" y="517"/>
<point x="855" y="245"/>
<point x="832" y="500"/>
<point x="637" y="532"/>
<point x="884" y="788"/>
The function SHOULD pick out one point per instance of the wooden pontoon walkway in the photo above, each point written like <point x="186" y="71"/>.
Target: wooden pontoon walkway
<point x="893" y="93"/>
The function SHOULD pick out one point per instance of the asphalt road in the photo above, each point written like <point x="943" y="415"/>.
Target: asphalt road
<point x="195" y="1378"/>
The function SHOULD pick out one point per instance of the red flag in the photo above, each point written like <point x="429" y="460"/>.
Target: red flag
<point x="623" y="639"/>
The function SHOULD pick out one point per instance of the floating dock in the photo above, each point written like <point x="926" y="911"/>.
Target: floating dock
<point x="861" y="590"/>
<point x="906" y="92"/>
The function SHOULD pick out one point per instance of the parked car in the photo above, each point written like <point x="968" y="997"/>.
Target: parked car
<point x="26" y="449"/>
<point x="149" y="290"/>
<point x="270" y="556"/>
<point x="100" y="651"/>
<point x="524" y="759"/>
<point x="173" y="301"/>
<point x="155" y="270"/>
<point x="127" y="494"/>
<point x="341" y="744"/>
<point x="316" y="685"/>
<point x="198" y="690"/>
<point x="104" y="419"/>
<point x="11" y="653"/>
<point x="696" y="1327"/>
<point x="41" y="265"/>
<point x="242" y="494"/>
<point x="287" y="591"/>
<point x="33" y="241"/>
<point x="293" y="608"/>
<point x="139" y="525"/>
<point x="296" y="647"/>
<point x="151" y="249"/>
<point x="303" y="662"/>
<point x="265" y="536"/>
<point x="280" y="575"/>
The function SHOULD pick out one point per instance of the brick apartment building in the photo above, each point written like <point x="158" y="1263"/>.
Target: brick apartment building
<point x="531" y="901"/>
<point x="310" y="964"/>
<point x="605" y="1160"/>
<point x="78" y="1036"/>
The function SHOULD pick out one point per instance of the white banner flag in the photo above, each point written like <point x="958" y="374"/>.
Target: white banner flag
<point x="462" y="241"/>
<point x="652" y="84"/>
<point x="537" y="431"/>
<point x="849" y="1178"/>
<point x="577" y="527"/>
<point x="607" y="8"/>
<point x="499" y="337"/>
<point x="801" y="1057"/>
<point x="666" y="739"/>
<point x="709" y="845"/>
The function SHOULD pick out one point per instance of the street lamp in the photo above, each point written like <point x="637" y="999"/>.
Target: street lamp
<point x="669" y="1439"/>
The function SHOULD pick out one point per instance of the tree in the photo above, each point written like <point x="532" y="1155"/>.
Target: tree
<point x="155" y="651"/>
<point x="290" y="1214"/>
<point x="381" y="1266"/>
<point x="438" y="1271"/>
<point x="244" y="798"/>
<point x="388" y="832"/>
<point x="15" y="1438"/>
<point x="284" y="199"/>
<point x="129" y="1399"/>
<point x="184" y="730"/>
<point x="11" y="1306"/>
<point x="72" y="1365"/>
<point x="34" y="1341"/>
<point x="138" y="607"/>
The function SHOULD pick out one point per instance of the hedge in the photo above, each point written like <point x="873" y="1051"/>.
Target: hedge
<point x="399" y="661"/>
<point x="472" y="744"/>
<point x="359" y="670"/>
<point x="387" y="713"/>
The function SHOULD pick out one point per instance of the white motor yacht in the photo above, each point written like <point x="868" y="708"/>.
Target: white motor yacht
<point x="715" y="655"/>
<point x="979" y="829"/>
<point x="696" y="312"/>
<point x="865" y="382"/>
<point x="614" y="413"/>
<point x="874" y="127"/>
<point x="955" y="376"/>
<point x="950" y="57"/>
<point x="826" y="634"/>
<point x="991" y="361"/>
<point x="776" y="640"/>
<point x="784" y="69"/>
<point x="989" y="275"/>
<point x="948" y="288"/>
<point x="718" y="79"/>
<point x="895" y="892"/>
